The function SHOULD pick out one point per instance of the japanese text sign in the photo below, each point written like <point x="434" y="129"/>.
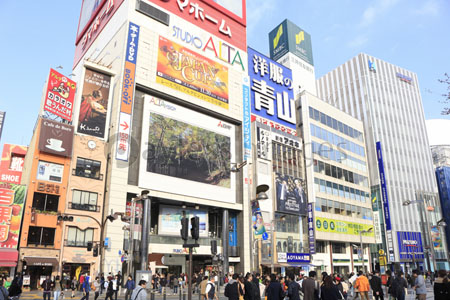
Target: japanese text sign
<point x="311" y="234"/>
<point x="271" y="90"/>
<point x="343" y="227"/>
<point x="59" y="95"/>
<point x="11" y="209"/>
<point x="11" y="165"/>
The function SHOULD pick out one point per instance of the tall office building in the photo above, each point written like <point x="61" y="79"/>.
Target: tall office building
<point x="387" y="99"/>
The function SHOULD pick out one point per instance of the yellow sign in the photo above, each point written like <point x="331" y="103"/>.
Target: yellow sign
<point x="344" y="227"/>
<point x="381" y="252"/>
<point x="382" y="260"/>
<point x="299" y="37"/>
<point x="277" y="37"/>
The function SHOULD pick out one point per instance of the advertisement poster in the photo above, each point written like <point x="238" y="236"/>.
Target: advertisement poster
<point x="50" y="172"/>
<point x="12" y="198"/>
<point x="94" y="104"/>
<point x="59" y="95"/>
<point x="291" y="196"/>
<point x="11" y="165"/>
<point x="343" y="227"/>
<point x="170" y="220"/>
<point x="410" y="245"/>
<point x="436" y="238"/>
<point x="194" y="155"/>
<point x="56" y="138"/>
<point x="258" y="222"/>
<point x="188" y="72"/>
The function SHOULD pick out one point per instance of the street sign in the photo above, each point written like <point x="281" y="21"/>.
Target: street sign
<point x="381" y="252"/>
<point x="382" y="260"/>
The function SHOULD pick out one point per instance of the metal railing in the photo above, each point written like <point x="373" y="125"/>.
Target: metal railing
<point x="84" y="206"/>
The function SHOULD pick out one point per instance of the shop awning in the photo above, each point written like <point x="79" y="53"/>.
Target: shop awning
<point x="8" y="257"/>
<point x="40" y="261"/>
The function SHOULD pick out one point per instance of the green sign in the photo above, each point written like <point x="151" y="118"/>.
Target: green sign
<point x="344" y="227"/>
<point x="288" y="37"/>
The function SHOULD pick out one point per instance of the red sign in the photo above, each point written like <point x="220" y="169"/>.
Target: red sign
<point x="11" y="165"/>
<point x="212" y="17"/>
<point x="59" y="96"/>
<point x="93" y="19"/>
<point x="12" y="198"/>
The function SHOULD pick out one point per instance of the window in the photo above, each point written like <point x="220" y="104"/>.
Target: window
<point x="311" y="112"/>
<point x="321" y="247"/>
<point x="41" y="236"/>
<point x="338" y="248"/>
<point x="324" y="205"/>
<point x="88" y="168"/>
<point x="83" y="200"/>
<point x="45" y="202"/>
<point x="79" y="238"/>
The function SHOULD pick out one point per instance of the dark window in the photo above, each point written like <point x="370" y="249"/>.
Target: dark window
<point x="328" y="169"/>
<point x="316" y="115"/>
<point x="311" y="112"/>
<point x="339" y="173"/>
<point x="320" y="247"/>
<point x="79" y="238"/>
<point x="329" y="121"/>
<point x="334" y="172"/>
<point x="88" y="168"/>
<point x="45" y="202"/>
<point x="41" y="236"/>
<point x="323" y="118"/>
<point x="335" y="124"/>
<point x="84" y="200"/>
<point x="341" y="127"/>
<point x="338" y="248"/>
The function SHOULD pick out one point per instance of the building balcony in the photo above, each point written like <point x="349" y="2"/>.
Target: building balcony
<point x="83" y="206"/>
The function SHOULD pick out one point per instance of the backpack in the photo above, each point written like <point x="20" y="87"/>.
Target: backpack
<point x="396" y="287"/>
<point x="226" y="293"/>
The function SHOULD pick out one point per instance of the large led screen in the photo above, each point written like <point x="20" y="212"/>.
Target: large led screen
<point x="186" y="152"/>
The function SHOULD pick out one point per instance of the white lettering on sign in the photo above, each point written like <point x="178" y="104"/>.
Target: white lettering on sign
<point x="96" y="23"/>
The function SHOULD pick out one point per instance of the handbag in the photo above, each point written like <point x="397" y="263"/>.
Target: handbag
<point x="241" y="297"/>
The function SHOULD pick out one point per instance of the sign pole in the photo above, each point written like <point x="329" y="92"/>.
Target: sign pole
<point x="190" y="275"/>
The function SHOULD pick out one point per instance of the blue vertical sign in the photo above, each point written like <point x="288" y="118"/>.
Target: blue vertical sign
<point x="247" y="118"/>
<point x="232" y="233"/>
<point x="311" y="236"/>
<point x="387" y="215"/>
<point x="272" y="96"/>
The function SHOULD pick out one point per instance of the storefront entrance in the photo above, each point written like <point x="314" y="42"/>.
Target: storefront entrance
<point x="72" y="270"/>
<point x="37" y="275"/>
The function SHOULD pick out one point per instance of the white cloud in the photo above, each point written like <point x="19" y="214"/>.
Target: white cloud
<point x="375" y="10"/>
<point x="429" y="8"/>
<point x="258" y="10"/>
<point x="358" y="42"/>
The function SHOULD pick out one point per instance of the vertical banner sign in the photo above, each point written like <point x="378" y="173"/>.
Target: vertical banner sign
<point x="126" y="99"/>
<point x="258" y="222"/>
<point x="11" y="210"/>
<point x="385" y="200"/>
<point x="59" y="95"/>
<point x="311" y="236"/>
<point x="247" y="118"/>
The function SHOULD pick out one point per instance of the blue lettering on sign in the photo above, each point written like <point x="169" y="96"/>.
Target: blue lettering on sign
<point x="404" y="78"/>
<point x="247" y="121"/>
<point x="311" y="236"/>
<point x="271" y="90"/>
<point x="387" y="215"/>
<point x="298" y="257"/>
<point x="410" y="245"/>
<point x="187" y="37"/>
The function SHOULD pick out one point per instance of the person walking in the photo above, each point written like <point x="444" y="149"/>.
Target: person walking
<point x="274" y="291"/>
<point x="362" y="285"/>
<point x="249" y="292"/>
<point x="441" y="286"/>
<point x="115" y="282"/>
<point x="85" y="288"/>
<point x="328" y="290"/>
<point x="375" y="285"/>
<point x="15" y="290"/>
<point x="232" y="288"/>
<point x="211" y="289"/>
<point x="310" y="287"/>
<point x="73" y="286"/>
<point x="399" y="285"/>
<point x="57" y="288"/>
<point x="139" y="293"/>
<point x="96" y="287"/>
<point x="203" y="285"/>
<point x="3" y="291"/>
<point x="129" y="285"/>
<point x="47" y="288"/>
<point x="102" y="283"/>
<point x="109" y="289"/>
<point x="293" y="292"/>
<point x="419" y="285"/>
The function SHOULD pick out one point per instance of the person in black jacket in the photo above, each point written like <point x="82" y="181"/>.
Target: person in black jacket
<point x="293" y="288"/>
<point x="232" y="287"/>
<point x="375" y="285"/>
<point x="249" y="293"/>
<point x="15" y="289"/>
<point x="274" y="291"/>
<point x="109" y="289"/>
<point x="328" y="290"/>
<point x="256" y="286"/>
<point x="441" y="286"/>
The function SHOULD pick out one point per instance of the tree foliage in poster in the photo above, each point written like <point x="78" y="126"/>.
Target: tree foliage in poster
<point x="186" y="151"/>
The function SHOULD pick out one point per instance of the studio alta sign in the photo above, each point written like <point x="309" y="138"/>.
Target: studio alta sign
<point x="219" y="49"/>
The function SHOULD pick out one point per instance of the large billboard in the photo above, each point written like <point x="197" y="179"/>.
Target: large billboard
<point x="343" y="227"/>
<point x="288" y="37"/>
<point x="271" y="92"/>
<point x="94" y="104"/>
<point x="410" y="245"/>
<point x="188" y="150"/>
<point x="12" y="197"/>
<point x="169" y="222"/>
<point x="11" y="165"/>
<point x="56" y="138"/>
<point x="291" y="196"/>
<point x="225" y="19"/>
<point x="193" y="74"/>
<point x="59" y="95"/>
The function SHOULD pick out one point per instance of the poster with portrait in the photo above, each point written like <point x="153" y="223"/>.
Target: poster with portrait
<point x="291" y="196"/>
<point x="94" y="104"/>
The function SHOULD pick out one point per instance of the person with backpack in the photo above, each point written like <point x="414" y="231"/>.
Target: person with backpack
<point x="232" y="288"/>
<point x="293" y="292"/>
<point x="85" y="288"/>
<point x="419" y="285"/>
<point x="203" y="285"/>
<point x="139" y="293"/>
<point x="399" y="285"/>
<point x="211" y="289"/>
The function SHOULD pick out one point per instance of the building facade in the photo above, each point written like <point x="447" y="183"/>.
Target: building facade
<point x="387" y="99"/>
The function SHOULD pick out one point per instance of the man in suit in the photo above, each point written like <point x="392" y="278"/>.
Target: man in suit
<point x="375" y="285"/>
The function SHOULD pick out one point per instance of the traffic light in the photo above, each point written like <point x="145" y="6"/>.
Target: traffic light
<point x="184" y="228"/>
<point x="213" y="247"/>
<point x="95" y="253"/>
<point x="65" y="218"/>
<point x="195" y="227"/>
<point x="89" y="246"/>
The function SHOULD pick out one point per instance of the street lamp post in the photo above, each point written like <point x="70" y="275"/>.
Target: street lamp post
<point x="361" y="244"/>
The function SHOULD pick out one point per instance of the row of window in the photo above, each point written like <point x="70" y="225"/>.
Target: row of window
<point x="45" y="236"/>
<point x="339" y="190"/>
<point x="88" y="168"/>
<point x="81" y="200"/>
<point x="286" y="160"/>
<point x="336" y="140"/>
<point x="327" y="152"/>
<point x="335" y="124"/>
<point x="336" y="247"/>
<point x="343" y="209"/>
<point x="339" y="173"/>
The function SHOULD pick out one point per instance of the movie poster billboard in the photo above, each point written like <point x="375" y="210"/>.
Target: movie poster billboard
<point x="258" y="222"/>
<point x="60" y="95"/>
<point x="291" y="196"/>
<point x="188" y="72"/>
<point x="186" y="150"/>
<point x="169" y="222"/>
<point x="94" y="104"/>
<point x="12" y="198"/>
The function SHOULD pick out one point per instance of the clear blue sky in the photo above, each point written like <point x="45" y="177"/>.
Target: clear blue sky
<point x="414" y="34"/>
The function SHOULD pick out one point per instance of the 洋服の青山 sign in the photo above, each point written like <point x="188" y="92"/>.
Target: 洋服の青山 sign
<point x="212" y="45"/>
<point x="59" y="95"/>
<point x="184" y="70"/>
